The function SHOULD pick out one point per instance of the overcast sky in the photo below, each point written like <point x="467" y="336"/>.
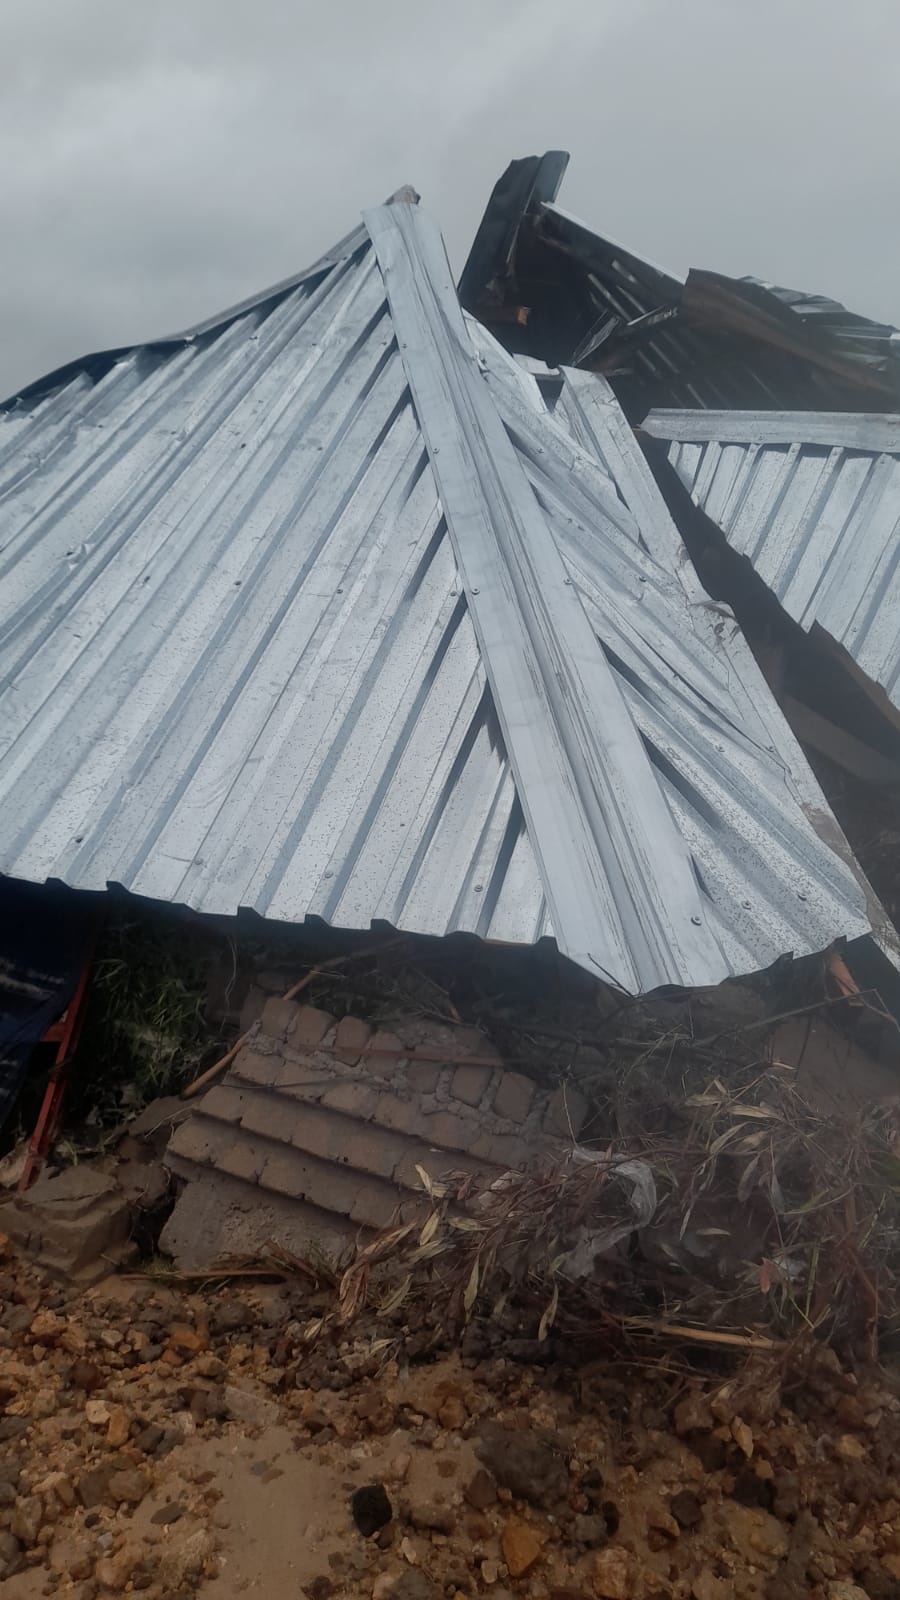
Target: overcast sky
<point x="163" y="159"/>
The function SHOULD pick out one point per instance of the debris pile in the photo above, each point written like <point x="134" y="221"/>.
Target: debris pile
<point x="738" y="1206"/>
<point x="169" y="1440"/>
<point x="322" y="1127"/>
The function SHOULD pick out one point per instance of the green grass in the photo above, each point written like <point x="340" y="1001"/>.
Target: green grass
<point x="146" y="1032"/>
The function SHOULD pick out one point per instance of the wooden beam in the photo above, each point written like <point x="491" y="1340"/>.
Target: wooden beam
<point x="839" y="746"/>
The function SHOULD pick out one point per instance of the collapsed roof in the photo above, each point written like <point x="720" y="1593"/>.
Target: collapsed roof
<point x="317" y="610"/>
<point x="809" y="495"/>
<point x="550" y="287"/>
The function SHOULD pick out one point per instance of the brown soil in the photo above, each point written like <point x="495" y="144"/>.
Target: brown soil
<point x="169" y="1444"/>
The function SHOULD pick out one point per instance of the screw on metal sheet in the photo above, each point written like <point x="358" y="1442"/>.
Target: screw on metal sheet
<point x="696" y="921"/>
<point x="567" y="580"/>
<point x="746" y="904"/>
<point x="478" y="887"/>
<point x="328" y="873"/>
<point x="476" y="591"/>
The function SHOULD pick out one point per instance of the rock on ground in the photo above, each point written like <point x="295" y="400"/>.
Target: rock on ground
<point x="162" y="1442"/>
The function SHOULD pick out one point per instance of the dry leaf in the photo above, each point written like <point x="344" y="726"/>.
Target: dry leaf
<point x="748" y="1179"/>
<point x="742" y="1436"/>
<point x="752" y="1141"/>
<point x="725" y="1138"/>
<point x="547" y="1319"/>
<point x="396" y="1299"/>
<point x="471" y="1294"/>
<point x="425" y="1252"/>
<point x="430" y="1228"/>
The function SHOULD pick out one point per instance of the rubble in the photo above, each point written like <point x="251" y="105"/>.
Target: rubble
<point x="325" y="1125"/>
<point x="143" y="1476"/>
<point x="77" y="1225"/>
<point x="564" y="1378"/>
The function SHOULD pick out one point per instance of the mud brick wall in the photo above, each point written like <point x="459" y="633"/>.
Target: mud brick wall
<point x="319" y="1126"/>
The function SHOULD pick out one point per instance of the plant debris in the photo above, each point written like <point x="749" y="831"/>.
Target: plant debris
<point x="735" y="1213"/>
<point x="146" y="1029"/>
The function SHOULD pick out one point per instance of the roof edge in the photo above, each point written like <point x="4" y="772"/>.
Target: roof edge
<point x="834" y="430"/>
<point x="98" y="362"/>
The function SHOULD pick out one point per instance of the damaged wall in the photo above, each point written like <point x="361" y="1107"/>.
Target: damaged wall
<point x="319" y="1127"/>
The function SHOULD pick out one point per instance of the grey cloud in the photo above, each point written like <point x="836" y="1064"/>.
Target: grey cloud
<point x="163" y="160"/>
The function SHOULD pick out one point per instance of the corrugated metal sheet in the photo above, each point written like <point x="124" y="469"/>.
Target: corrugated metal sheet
<point x="316" y="612"/>
<point x="237" y="665"/>
<point x="865" y="354"/>
<point x="734" y="776"/>
<point x="814" y="503"/>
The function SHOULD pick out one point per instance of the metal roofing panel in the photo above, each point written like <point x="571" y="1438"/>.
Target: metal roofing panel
<point x="237" y="665"/>
<point x="814" y="503"/>
<point x="733" y="774"/>
<point x="599" y="831"/>
<point x="319" y="611"/>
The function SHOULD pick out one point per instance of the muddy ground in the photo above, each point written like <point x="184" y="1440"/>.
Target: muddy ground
<point x="170" y="1443"/>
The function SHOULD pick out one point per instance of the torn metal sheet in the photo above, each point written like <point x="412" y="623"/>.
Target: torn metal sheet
<point x="550" y="287"/>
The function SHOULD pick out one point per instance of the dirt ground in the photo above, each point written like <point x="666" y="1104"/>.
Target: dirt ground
<point x="177" y="1444"/>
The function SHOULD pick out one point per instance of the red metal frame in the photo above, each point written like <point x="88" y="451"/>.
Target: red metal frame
<point x="65" y="1035"/>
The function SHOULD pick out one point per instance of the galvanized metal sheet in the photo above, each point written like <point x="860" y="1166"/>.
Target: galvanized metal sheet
<point x="237" y="664"/>
<point x="598" y="829"/>
<point x="732" y="772"/>
<point x="320" y="612"/>
<point x="814" y="503"/>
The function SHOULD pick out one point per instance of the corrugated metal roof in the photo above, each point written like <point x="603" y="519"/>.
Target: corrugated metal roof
<point x="238" y="666"/>
<point x="319" y="612"/>
<point x="814" y="503"/>
<point x="732" y="772"/>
